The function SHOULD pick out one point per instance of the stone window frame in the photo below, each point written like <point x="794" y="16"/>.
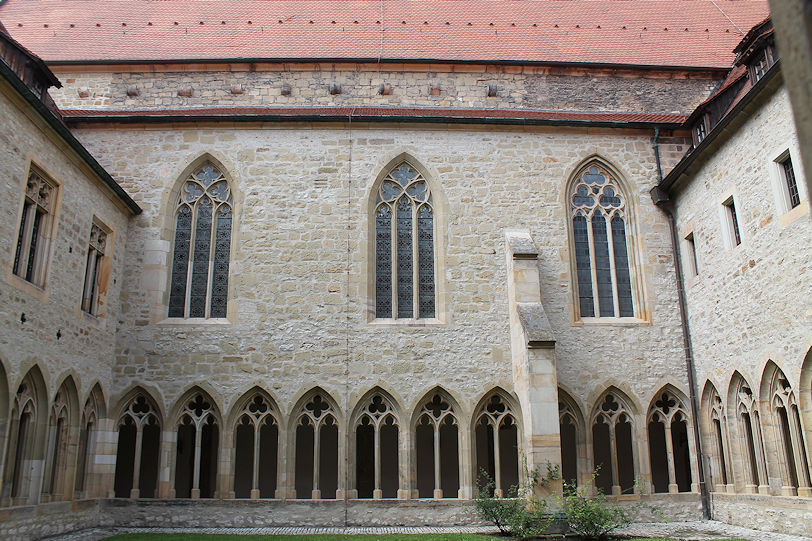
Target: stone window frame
<point x="750" y="466"/>
<point x="730" y="203"/>
<point x="642" y="313"/>
<point x="689" y="252"/>
<point x="440" y="210"/>
<point x="163" y="250"/>
<point x="775" y="165"/>
<point x="38" y="287"/>
<point x="103" y="271"/>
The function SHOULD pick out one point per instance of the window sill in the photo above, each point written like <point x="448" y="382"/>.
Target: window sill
<point x="92" y="319"/>
<point x="610" y="321"/>
<point x="24" y="285"/>
<point x="390" y="322"/>
<point x="194" y="321"/>
<point x="793" y="215"/>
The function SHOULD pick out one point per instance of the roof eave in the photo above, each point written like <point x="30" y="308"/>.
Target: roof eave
<point x="667" y="184"/>
<point x="63" y="132"/>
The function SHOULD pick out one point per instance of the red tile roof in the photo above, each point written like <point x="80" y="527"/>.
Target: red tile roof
<point x="529" y="116"/>
<point x="688" y="33"/>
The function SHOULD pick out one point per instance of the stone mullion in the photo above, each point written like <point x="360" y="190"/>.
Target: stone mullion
<point x="25" y="248"/>
<point x="190" y="263"/>
<point x="669" y="452"/>
<point x="613" y="454"/>
<point x="90" y="272"/>
<point x="316" y="493"/>
<point x="139" y="437"/>
<point x="761" y="465"/>
<point x="726" y="455"/>
<point x="50" y="456"/>
<point x="801" y="471"/>
<point x="612" y="269"/>
<point x="438" y="491"/>
<point x="195" y="493"/>
<point x="377" y="493"/>
<point x="497" y="463"/>
<point x="212" y="246"/>
<point x="255" y="475"/>
<point x="393" y="257"/>
<point x="415" y="264"/>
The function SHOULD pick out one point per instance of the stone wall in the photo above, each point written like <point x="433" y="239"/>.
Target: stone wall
<point x="51" y="519"/>
<point x="547" y="88"/>
<point x="767" y="513"/>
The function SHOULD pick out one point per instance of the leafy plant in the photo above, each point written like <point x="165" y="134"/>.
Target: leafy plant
<point x="592" y="517"/>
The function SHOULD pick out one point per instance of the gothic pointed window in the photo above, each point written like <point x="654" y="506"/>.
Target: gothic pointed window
<point x="202" y="247"/>
<point x="404" y="246"/>
<point x="600" y="227"/>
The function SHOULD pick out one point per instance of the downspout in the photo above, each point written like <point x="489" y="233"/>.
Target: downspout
<point x="661" y="199"/>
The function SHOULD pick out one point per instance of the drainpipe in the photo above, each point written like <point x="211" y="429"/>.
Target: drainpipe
<point x="661" y="199"/>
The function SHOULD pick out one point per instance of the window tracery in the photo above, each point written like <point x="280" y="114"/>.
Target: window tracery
<point x="36" y="223"/>
<point x="437" y="446"/>
<point x="792" y="460"/>
<point x="197" y="445"/>
<point x="600" y="223"/>
<point x="404" y="246"/>
<point x="497" y="444"/>
<point x="257" y="438"/>
<point x="720" y="470"/>
<point x="202" y="247"/>
<point x="317" y="449"/>
<point x="139" y="429"/>
<point x="613" y="450"/>
<point x="668" y="444"/>
<point x="750" y="426"/>
<point x="377" y="433"/>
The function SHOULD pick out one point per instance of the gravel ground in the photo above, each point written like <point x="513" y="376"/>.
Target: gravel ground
<point x="695" y="530"/>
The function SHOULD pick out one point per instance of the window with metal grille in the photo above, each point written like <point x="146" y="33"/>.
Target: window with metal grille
<point x="733" y="222"/>
<point x="599" y="226"/>
<point x="794" y="198"/>
<point x="95" y="256"/>
<point x="404" y="246"/>
<point x="202" y="247"/>
<point x="761" y="65"/>
<point x="36" y="224"/>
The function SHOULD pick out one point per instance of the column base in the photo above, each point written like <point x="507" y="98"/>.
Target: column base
<point x="377" y="494"/>
<point x="731" y="488"/>
<point x="673" y="488"/>
<point x="195" y="495"/>
<point x="404" y="494"/>
<point x="764" y="489"/>
<point x="438" y="494"/>
<point x="788" y="491"/>
<point x="315" y="494"/>
<point x="616" y="491"/>
<point x="135" y="493"/>
<point x="254" y="494"/>
<point x="805" y="492"/>
<point x="718" y="488"/>
<point x="750" y="489"/>
<point x="499" y="493"/>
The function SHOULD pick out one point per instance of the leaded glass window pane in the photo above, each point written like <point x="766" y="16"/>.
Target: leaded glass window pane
<point x="425" y="247"/>
<point x="383" y="262"/>
<point x="596" y="205"/>
<point x="624" y="283"/>
<point x="404" y="216"/>
<point x="202" y="246"/>
<point x="603" y="268"/>
<point x="405" y="263"/>
<point x="582" y="265"/>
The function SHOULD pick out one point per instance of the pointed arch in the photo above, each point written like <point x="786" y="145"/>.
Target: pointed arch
<point x="197" y="421"/>
<point x="613" y="447"/>
<point x="785" y="446"/>
<point x="406" y="212"/>
<point x="436" y="445"/>
<point x="670" y="442"/>
<point x="25" y="451"/>
<point x="139" y="423"/>
<point x="86" y="480"/>
<point x="255" y="419"/>
<point x="63" y="429"/>
<point x="602" y="225"/>
<point x="746" y="431"/>
<point x="5" y="401"/>
<point x="315" y="430"/>
<point x="713" y="427"/>
<point x="805" y="405"/>
<point x="572" y="429"/>
<point x="202" y="214"/>
<point x="497" y="440"/>
<point x="375" y="448"/>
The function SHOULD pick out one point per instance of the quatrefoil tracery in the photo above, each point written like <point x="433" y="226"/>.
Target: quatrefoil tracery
<point x="597" y="192"/>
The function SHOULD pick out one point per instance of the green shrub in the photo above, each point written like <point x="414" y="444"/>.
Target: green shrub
<point x="520" y="514"/>
<point x="592" y="517"/>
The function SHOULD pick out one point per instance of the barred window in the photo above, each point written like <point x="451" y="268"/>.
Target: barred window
<point x="404" y="246"/>
<point x="599" y="225"/>
<point x="36" y="224"/>
<point x="199" y="286"/>
<point x="95" y="255"/>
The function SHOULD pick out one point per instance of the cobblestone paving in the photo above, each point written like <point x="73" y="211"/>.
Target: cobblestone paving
<point x="693" y="531"/>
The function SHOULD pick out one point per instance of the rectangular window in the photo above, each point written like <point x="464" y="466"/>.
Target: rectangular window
<point x="733" y="221"/>
<point x="34" y="234"/>
<point x="693" y="267"/>
<point x="95" y="256"/>
<point x="700" y="131"/>
<point x="761" y="66"/>
<point x="794" y="198"/>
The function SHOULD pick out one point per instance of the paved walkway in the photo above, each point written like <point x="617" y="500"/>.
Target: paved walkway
<point x="693" y="531"/>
